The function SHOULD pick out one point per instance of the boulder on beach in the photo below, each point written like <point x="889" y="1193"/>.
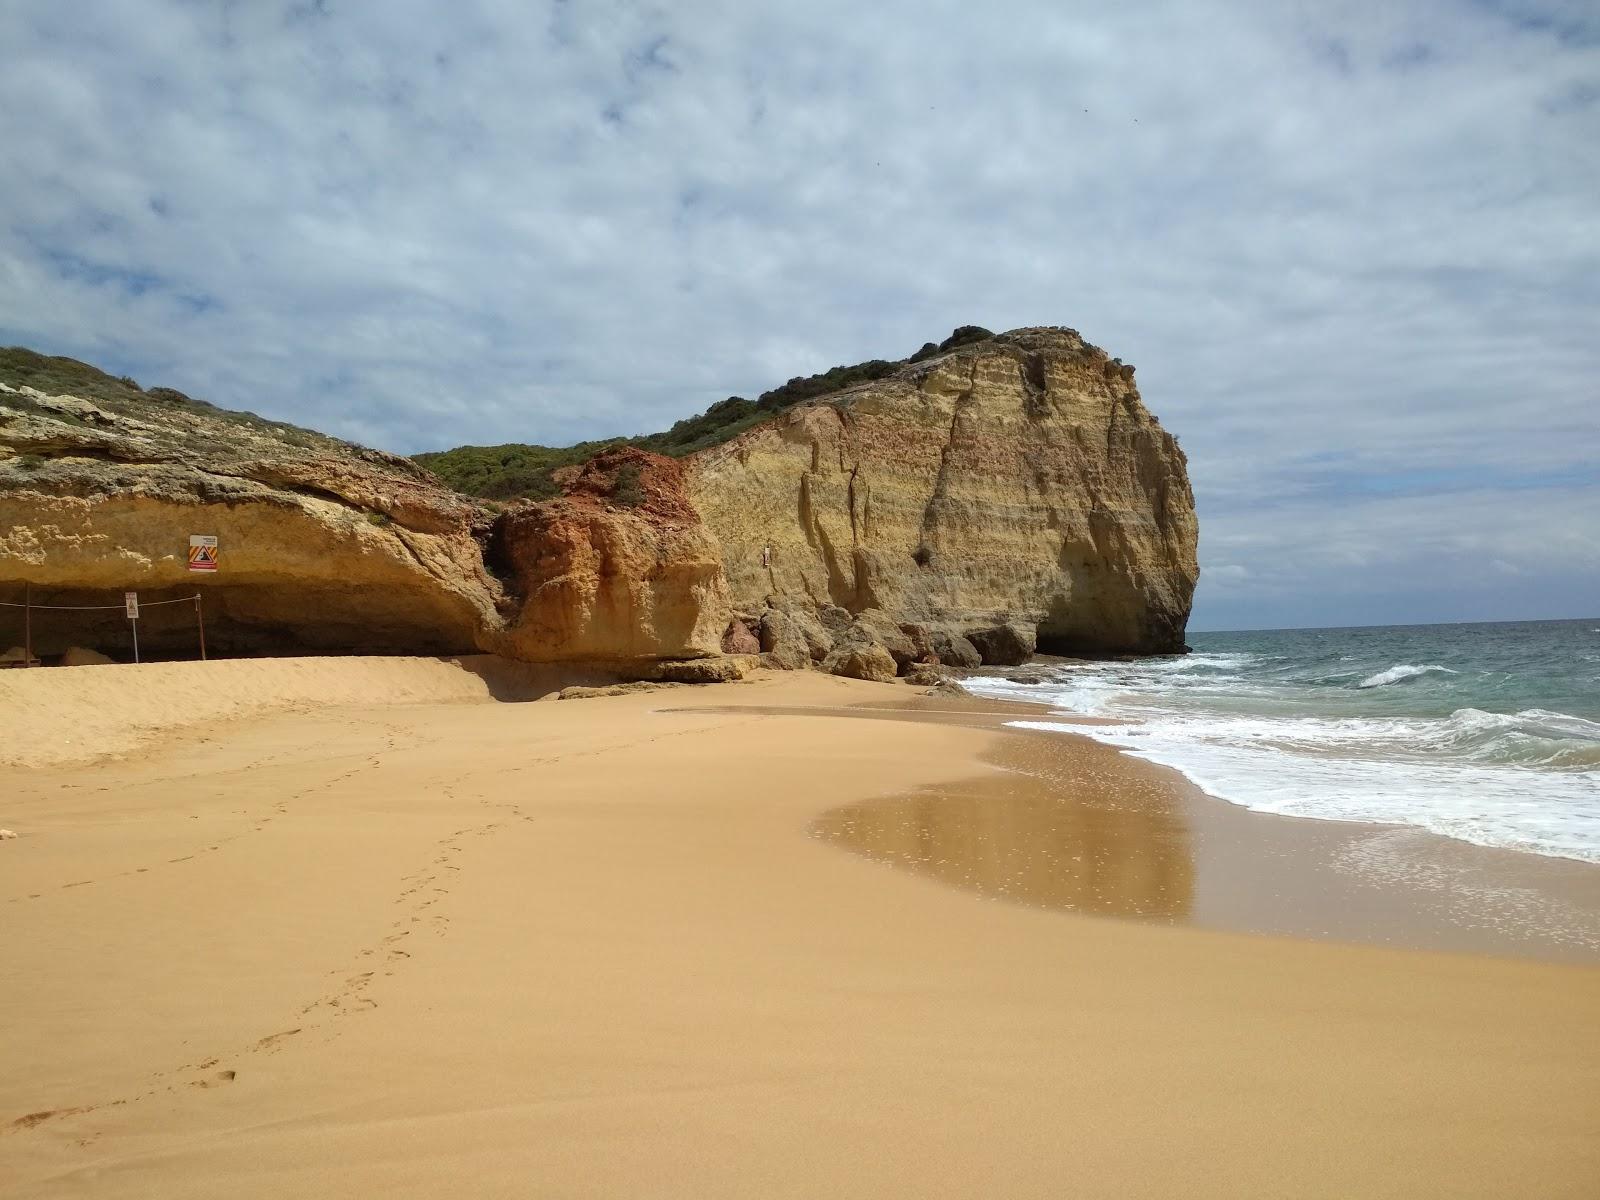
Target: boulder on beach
<point x="857" y="656"/>
<point x="82" y="656"/>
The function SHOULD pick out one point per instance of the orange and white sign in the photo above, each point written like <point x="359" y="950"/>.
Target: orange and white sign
<point x="202" y="552"/>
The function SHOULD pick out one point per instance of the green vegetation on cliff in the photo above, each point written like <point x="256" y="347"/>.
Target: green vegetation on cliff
<point x="515" y="469"/>
<point x="509" y="471"/>
<point x="57" y="375"/>
<point x="61" y="376"/>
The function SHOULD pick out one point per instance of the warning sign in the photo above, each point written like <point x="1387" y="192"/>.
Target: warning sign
<point x="202" y="552"/>
<point x="130" y="601"/>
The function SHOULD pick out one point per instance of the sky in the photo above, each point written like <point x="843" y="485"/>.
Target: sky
<point x="1352" y="248"/>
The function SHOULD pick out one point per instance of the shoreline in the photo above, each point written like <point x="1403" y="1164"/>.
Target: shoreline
<point x="1364" y="882"/>
<point x="1241" y="870"/>
<point x="593" y="948"/>
<point x="1459" y="738"/>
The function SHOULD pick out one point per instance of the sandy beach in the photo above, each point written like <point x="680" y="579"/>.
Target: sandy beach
<point x="795" y="936"/>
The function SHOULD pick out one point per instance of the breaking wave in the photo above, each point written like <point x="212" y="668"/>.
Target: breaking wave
<point x="1400" y="674"/>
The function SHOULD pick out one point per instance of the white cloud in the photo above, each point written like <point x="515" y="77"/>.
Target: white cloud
<point x="1352" y="247"/>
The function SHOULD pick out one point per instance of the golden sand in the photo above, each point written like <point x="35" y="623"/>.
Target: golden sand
<point x="598" y="948"/>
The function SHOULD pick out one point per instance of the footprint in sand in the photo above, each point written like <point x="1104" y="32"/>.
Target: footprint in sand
<point x="273" y="1040"/>
<point x="48" y="1114"/>
<point x="217" y="1080"/>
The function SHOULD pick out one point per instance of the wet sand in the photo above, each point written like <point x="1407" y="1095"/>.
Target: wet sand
<point x="1084" y="828"/>
<point x="601" y="948"/>
<point x="1098" y="832"/>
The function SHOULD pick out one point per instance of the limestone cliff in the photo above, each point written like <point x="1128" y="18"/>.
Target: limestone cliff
<point x="1015" y="484"/>
<point x="324" y="546"/>
<point x="329" y="547"/>
<point x="959" y="507"/>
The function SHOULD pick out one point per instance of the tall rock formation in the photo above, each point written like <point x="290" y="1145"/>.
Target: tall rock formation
<point x="1012" y="486"/>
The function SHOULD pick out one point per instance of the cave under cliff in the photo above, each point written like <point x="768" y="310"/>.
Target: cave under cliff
<point x="240" y="621"/>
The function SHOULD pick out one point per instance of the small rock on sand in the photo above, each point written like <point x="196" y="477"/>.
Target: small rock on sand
<point x="82" y="656"/>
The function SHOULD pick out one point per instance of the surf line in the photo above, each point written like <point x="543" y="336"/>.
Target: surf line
<point x="864" y="710"/>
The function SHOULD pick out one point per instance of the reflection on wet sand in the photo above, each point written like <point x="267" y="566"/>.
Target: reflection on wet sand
<point x="1009" y="837"/>
<point x="1073" y="825"/>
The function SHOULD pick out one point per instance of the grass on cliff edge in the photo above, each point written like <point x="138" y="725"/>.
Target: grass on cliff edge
<point x="57" y="375"/>
<point x="517" y="469"/>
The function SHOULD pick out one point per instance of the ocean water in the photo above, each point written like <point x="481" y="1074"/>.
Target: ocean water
<point x="1488" y="732"/>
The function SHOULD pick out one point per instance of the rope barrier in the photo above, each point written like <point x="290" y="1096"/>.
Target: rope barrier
<point x="99" y="607"/>
<point x="28" y="606"/>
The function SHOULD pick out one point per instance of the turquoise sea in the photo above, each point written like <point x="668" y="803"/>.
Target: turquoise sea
<point x="1485" y="732"/>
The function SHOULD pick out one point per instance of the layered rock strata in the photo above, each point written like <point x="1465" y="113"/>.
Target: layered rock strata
<point x="1016" y="491"/>
<point x="326" y="547"/>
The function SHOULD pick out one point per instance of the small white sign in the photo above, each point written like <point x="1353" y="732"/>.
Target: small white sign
<point x="131" y="599"/>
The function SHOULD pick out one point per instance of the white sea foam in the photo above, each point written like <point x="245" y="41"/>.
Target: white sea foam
<point x="1193" y="662"/>
<point x="1401" y="673"/>
<point x="1473" y="898"/>
<point x="1267" y="766"/>
<point x="1528" y="780"/>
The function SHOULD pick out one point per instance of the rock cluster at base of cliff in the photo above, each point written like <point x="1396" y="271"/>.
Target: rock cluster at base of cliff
<point x="797" y="636"/>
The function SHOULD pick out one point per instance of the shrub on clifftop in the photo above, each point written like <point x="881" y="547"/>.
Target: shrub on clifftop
<point x="509" y="471"/>
<point x="964" y="335"/>
<point x="626" y="490"/>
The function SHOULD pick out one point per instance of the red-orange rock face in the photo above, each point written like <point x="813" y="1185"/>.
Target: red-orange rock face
<point x="619" y="568"/>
